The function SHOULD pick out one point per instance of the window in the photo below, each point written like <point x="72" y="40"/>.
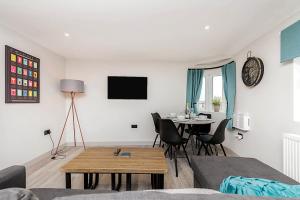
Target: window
<point x="217" y="86"/>
<point x="202" y="96"/>
<point x="212" y="86"/>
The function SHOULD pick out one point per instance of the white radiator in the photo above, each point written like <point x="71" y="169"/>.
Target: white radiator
<point x="291" y="156"/>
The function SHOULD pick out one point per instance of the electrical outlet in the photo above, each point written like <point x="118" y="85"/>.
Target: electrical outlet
<point x="47" y="132"/>
<point x="134" y="125"/>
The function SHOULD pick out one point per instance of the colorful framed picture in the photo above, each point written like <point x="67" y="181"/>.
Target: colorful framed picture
<point x="22" y="77"/>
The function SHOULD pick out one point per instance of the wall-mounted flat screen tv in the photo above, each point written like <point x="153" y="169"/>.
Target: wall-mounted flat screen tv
<point x="126" y="87"/>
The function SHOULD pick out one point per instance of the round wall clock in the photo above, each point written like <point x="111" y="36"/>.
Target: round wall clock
<point x="253" y="71"/>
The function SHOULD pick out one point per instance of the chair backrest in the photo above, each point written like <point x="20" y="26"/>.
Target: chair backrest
<point x="156" y="117"/>
<point x="205" y="114"/>
<point x="219" y="136"/>
<point x="202" y="128"/>
<point x="168" y="132"/>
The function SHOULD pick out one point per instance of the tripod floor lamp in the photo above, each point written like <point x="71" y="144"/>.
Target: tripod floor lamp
<point x="72" y="87"/>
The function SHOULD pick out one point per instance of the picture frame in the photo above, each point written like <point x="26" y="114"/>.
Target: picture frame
<point x="22" y="77"/>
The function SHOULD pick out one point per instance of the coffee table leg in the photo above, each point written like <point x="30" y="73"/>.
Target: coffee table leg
<point x="96" y="181"/>
<point x="119" y="181"/>
<point x="157" y="181"/>
<point x="128" y="182"/>
<point x="68" y="181"/>
<point x="113" y="181"/>
<point x="86" y="181"/>
<point x="161" y="181"/>
<point x="154" y="181"/>
<point x="90" y="180"/>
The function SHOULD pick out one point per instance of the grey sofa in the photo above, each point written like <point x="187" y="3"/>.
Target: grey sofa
<point x="15" y="177"/>
<point x="210" y="171"/>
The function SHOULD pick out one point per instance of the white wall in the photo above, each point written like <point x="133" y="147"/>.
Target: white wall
<point x="270" y="104"/>
<point x="106" y="120"/>
<point x="22" y="125"/>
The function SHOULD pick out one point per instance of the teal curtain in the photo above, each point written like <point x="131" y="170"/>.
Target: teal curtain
<point x="193" y="90"/>
<point x="229" y="85"/>
<point x="290" y="42"/>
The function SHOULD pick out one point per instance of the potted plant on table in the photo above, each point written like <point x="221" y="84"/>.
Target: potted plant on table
<point x="216" y="103"/>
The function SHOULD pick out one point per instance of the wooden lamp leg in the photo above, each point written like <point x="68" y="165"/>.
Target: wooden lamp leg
<point x="63" y="130"/>
<point x="73" y="117"/>
<point x="79" y="125"/>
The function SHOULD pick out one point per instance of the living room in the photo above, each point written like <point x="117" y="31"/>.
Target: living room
<point x="161" y="42"/>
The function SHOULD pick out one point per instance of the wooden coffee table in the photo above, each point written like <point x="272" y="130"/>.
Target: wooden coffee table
<point x="101" y="160"/>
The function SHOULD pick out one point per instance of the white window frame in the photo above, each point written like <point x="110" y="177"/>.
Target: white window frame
<point x="208" y="75"/>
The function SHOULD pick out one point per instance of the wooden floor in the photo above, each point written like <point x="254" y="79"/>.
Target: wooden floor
<point x="43" y="172"/>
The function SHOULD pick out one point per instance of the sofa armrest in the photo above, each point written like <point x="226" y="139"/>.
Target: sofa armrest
<point x="14" y="176"/>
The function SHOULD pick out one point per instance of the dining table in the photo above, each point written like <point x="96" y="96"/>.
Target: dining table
<point x="189" y="122"/>
<point x="182" y="123"/>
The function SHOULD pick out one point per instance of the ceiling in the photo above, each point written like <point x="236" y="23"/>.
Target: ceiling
<point x="145" y="30"/>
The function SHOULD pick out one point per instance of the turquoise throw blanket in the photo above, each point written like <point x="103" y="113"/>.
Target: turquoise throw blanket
<point x="259" y="187"/>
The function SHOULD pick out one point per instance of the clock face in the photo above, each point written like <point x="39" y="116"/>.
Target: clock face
<point x="252" y="72"/>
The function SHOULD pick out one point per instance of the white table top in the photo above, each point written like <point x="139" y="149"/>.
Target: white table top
<point x="192" y="121"/>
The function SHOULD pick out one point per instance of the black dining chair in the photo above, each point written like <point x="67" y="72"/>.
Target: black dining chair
<point x="156" y="117"/>
<point x="170" y="136"/>
<point x="217" y="138"/>
<point x="198" y="129"/>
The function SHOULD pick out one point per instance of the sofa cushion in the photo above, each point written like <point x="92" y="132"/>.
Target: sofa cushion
<point x="210" y="171"/>
<point x="51" y="193"/>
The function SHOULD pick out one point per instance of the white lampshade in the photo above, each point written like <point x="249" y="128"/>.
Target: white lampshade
<point x="70" y="85"/>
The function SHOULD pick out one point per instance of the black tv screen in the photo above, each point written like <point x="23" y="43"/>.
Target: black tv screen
<point x="125" y="87"/>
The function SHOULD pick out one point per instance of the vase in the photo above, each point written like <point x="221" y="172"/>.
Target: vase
<point x="216" y="108"/>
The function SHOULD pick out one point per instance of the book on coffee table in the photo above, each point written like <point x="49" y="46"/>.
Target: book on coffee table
<point x="124" y="154"/>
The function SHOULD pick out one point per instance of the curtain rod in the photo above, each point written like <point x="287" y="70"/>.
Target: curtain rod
<point x="208" y="68"/>
<point x="219" y="64"/>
